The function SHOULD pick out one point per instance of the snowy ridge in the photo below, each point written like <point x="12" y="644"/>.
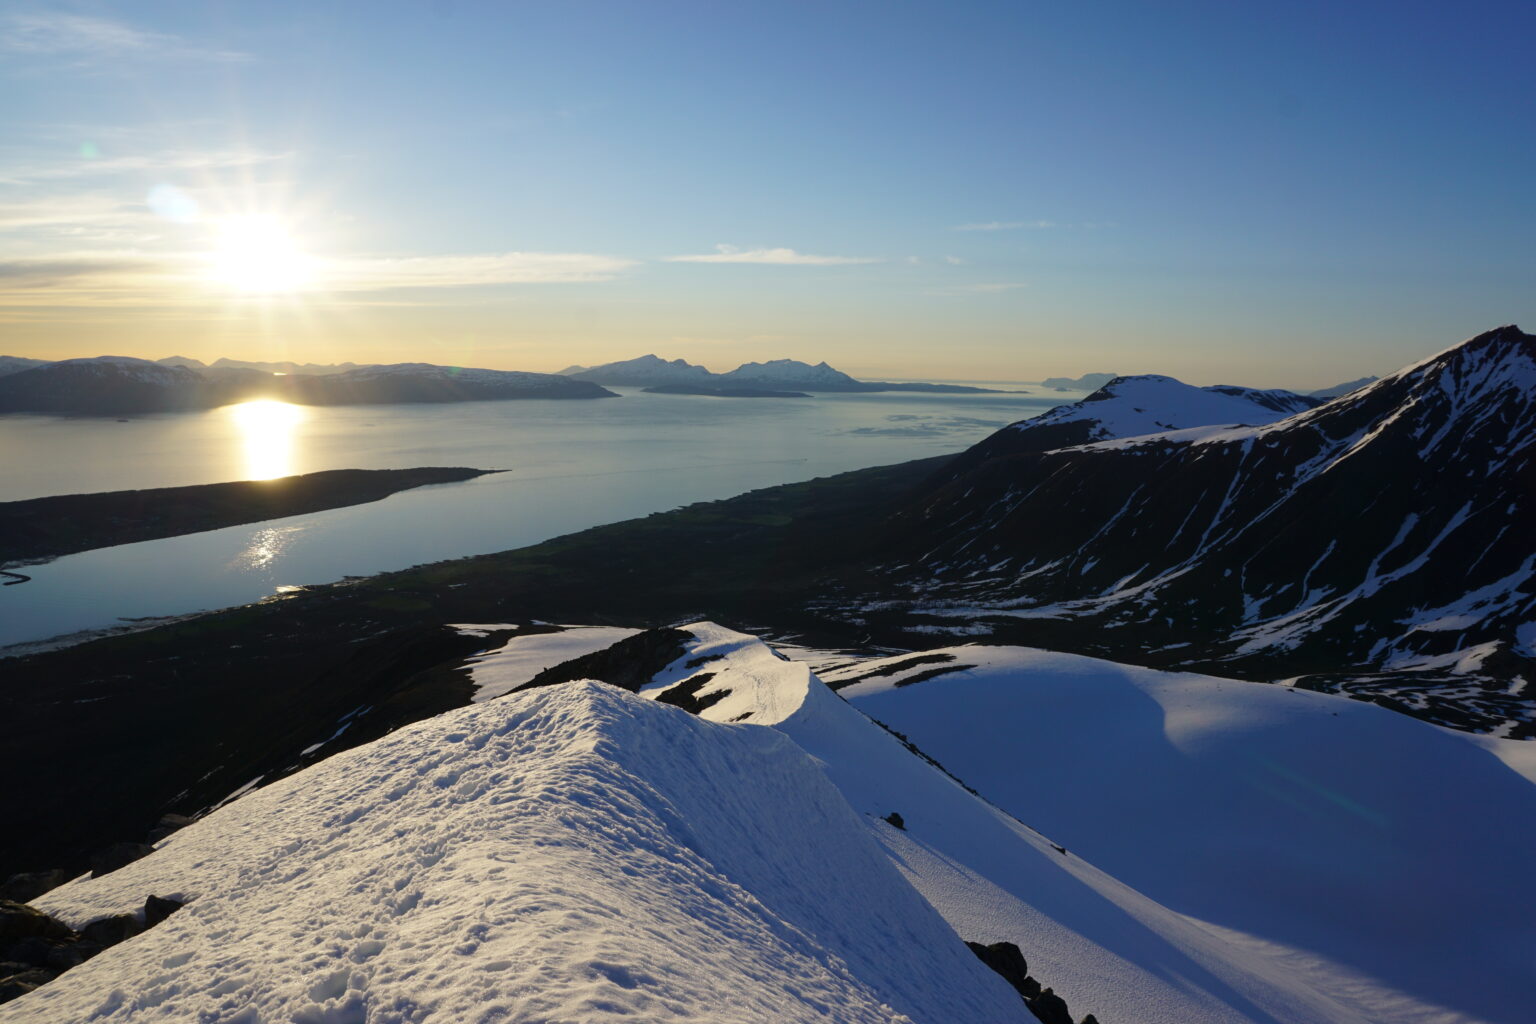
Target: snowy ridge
<point x="573" y="853"/>
<point x="1150" y="403"/>
<point x="1251" y="953"/>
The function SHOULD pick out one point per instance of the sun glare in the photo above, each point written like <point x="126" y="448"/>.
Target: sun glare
<point x="267" y="430"/>
<point x="259" y="254"/>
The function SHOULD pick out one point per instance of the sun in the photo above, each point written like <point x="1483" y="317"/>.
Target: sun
<point x="259" y="254"/>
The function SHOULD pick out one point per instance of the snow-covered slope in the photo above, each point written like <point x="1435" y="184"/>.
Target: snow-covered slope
<point x="15" y="364"/>
<point x="571" y="854"/>
<point x="1136" y="405"/>
<point x="1366" y="842"/>
<point x="1275" y="853"/>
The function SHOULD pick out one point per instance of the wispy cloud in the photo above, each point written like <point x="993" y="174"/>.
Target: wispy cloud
<point x="161" y="162"/>
<point x="181" y="278"/>
<point x="460" y="271"/>
<point x="954" y="261"/>
<point x="83" y="37"/>
<point x="1007" y="225"/>
<point x="783" y="257"/>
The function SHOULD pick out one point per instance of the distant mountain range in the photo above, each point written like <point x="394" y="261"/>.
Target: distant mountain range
<point x="309" y="369"/>
<point x="1087" y="382"/>
<point x="118" y="385"/>
<point x="774" y="375"/>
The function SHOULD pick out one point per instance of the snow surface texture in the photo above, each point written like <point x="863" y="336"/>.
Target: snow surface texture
<point x="1106" y="948"/>
<point x="1364" y="842"/>
<point x="570" y="854"/>
<point x="1150" y="403"/>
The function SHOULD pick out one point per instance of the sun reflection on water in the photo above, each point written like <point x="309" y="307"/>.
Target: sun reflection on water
<point x="267" y="431"/>
<point x="265" y="547"/>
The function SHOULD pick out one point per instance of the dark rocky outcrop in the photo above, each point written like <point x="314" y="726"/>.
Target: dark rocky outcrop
<point x="1008" y="961"/>
<point x="36" y="948"/>
<point x="28" y="886"/>
<point x="685" y="695"/>
<point x="110" y="858"/>
<point x="628" y="664"/>
<point x="157" y="909"/>
<point x="168" y="824"/>
<point x="1050" y="1008"/>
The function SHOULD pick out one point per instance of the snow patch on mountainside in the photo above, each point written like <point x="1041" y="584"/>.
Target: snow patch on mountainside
<point x="574" y="853"/>
<point x="1330" y="831"/>
<point x="523" y="657"/>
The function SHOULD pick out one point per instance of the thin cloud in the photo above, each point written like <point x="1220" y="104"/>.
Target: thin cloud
<point x="460" y="271"/>
<point x="181" y="278"/>
<point x="1007" y="225"/>
<point x="781" y="257"/>
<point x="172" y="161"/>
<point x="954" y="261"/>
<point x="80" y="36"/>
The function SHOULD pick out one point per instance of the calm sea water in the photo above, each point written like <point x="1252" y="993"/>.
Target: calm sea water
<point x="570" y="465"/>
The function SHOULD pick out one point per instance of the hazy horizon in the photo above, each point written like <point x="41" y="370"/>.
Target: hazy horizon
<point x="1223" y="194"/>
<point x="722" y="367"/>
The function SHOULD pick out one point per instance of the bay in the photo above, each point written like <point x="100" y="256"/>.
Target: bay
<point x="569" y="465"/>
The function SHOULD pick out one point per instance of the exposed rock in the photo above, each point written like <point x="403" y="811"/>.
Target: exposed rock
<point x="157" y="909"/>
<point x="25" y="888"/>
<point x="898" y="821"/>
<point x="628" y="664"/>
<point x="19" y="921"/>
<point x="23" y="982"/>
<point x="109" y="931"/>
<point x="168" y="823"/>
<point x="1050" y="1008"/>
<point x="1007" y="960"/>
<point x="685" y="695"/>
<point x="110" y="858"/>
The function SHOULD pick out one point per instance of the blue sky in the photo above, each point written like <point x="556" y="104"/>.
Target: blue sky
<point x="1283" y="195"/>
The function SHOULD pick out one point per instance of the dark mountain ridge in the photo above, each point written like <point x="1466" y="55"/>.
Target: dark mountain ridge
<point x="773" y="375"/>
<point x="1385" y="531"/>
<point x="118" y="385"/>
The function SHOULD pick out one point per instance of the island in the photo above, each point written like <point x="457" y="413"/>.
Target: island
<point x="42" y="528"/>
<point x="721" y="392"/>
